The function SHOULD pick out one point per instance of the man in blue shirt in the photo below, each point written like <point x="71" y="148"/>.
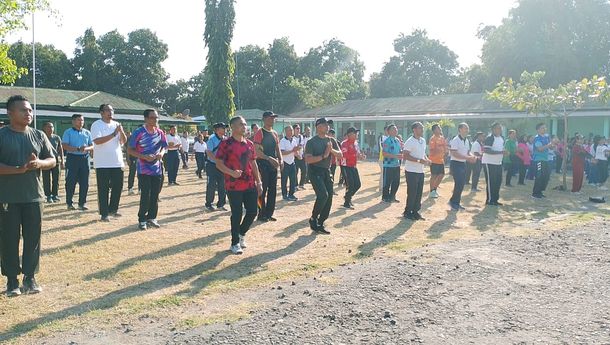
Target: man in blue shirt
<point x="215" y="176"/>
<point x="392" y="154"/>
<point x="542" y="146"/>
<point x="77" y="143"/>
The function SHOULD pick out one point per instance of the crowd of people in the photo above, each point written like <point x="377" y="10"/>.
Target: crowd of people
<point x="244" y="168"/>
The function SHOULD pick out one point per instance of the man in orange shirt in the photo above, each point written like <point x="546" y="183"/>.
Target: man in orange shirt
<point x="438" y="151"/>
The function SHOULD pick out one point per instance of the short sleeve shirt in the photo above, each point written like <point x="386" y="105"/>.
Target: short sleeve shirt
<point x="476" y="148"/>
<point x="78" y="138"/>
<point x="237" y="155"/>
<point x="213" y="143"/>
<point x="600" y="153"/>
<point x="437" y="143"/>
<point x="350" y="152"/>
<point x="392" y="146"/>
<point x="15" y="150"/>
<point x="417" y="149"/>
<point x="316" y="146"/>
<point x="173" y="139"/>
<point x="55" y="141"/>
<point x="462" y="146"/>
<point x="200" y="146"/>
<point x="288" y="145"/>
<point x="108" y="154"/>
<point x="495" y="144"/>
<point x="540" y="141"/>
<point x="146" y="143"/>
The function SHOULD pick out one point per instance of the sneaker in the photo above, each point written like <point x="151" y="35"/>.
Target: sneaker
<point x="142" y="226"/>
<point x="475" y="190"/>
<point x="236" y="249"/>
<point x="271" y="219"/>
<point x="105" y="219"/>
<point x="262" y="219"/>
<point x="12" y="287"/>
<point x="285" y="198"/>
<point x="50" y="200"/>
<point x="293" y="198"/>
<point x="221" y="208"/>
<point x="130" y="192"/>
<point x="454" y="207"/>
<point x="242" y="242"/>
<point x="83" y="208"/>
<point x="210" y="208"/>
<point x="30" y="286"/>
<point x="56" y="198"/>
<point x="348" y="206"/>
<point x="71" y="207"/>
<point x="537" y="196"/>
<point x="115" y="214"/>
<point x="434" y="194"/>
<point x="153" y="223"/>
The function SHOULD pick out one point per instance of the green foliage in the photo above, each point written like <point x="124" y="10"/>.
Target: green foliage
<point x="53" y="68"/>
<point x="332" y="89"/>
<point x="423" y="66"/>
<point x="217" y="94"/>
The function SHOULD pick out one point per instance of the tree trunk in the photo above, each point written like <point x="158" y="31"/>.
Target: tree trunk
<point x="564" y="155"/>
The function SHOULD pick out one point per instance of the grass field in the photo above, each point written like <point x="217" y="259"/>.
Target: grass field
<point x="101" y="275"/>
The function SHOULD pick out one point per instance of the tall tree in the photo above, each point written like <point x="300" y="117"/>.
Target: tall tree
<point x="184" y="94"/>
<point x="332" y="89"/>
<point x="567" y="42"/>
<point x="285" y="62"/>
<point x="423" y="66"/>
<point x="332" y="56"/>
<point x="218" y="95"/>
<point x="53" y="69"/>
<point x="253" y="78"/>
<point x="88" y="62"/>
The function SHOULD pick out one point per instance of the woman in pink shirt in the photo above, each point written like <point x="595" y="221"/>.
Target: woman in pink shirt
<point x="524" y="154"/>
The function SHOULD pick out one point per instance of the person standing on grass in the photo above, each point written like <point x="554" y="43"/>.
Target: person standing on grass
<point x="108" y="137"/>
<point x="382" y="139"/>
<point x="459" y="148"/>
<point x="184" y="149"/>
<point x="298" y="157"/>
<point x="542" y="148"/>
<point x="148" y="145"/>
<point x="493" y="155"/>
<point x="269" y="161"/>
<point x="317" y="155"/>
<point x="132" y="163"/>
<point x="601" y="156"/>
<point x="200" y="147"/>
<point x="438" y="152"/>
<point x="24" y="152"/>
<point x="289" y="148"/>
<point x="351" y="153"/>
<point x="510" y="156"/>
<point x="524" y="158"/>
<point x="50" y="178"/>
<point x="215" y="176"/>
<point x="236" y="159"/>
<point x="415" y="159"/>
<point x="477" y="150"/>
<point x="392" y="154"/>
<point x="77" y="143"/>
<point x="172" y="161"/>
<point x="579" y="155"/>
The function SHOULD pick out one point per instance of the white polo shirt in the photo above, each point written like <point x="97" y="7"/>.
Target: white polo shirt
<point x="288" y="145"/>
<point x="173" y="139"/>
<point x="600" y="153"/>
<point x="417" y="149"/>
<point x="476" y="148"/>
<point x="108" y="154"/>
<point x="185" y="144"/>
<point x="496" y="144"/>
<point x="200" y="146"/>
<point x="459" y="145"/>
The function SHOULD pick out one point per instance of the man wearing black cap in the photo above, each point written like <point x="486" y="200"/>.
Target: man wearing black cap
<point x="351" y="154"/>
<point x="215" y="176"/>
<point x="269" y="160"/>
<point x="317" y="154"/>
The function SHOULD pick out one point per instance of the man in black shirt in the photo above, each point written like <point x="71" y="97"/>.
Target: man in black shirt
<point x="269" y="160"/>
<point x="318" y="151"/>
<point x="50" y="178"/>
<point x="24" y="152"/>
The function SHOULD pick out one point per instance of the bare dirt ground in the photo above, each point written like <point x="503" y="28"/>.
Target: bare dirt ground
<point x="528" y="272"/>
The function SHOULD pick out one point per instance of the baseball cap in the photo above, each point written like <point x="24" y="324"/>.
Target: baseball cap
<point x="352" y="130"/>
<point x="269" y="114"/>
<point x="220" y="125"/>
<point x="323" y="120"/>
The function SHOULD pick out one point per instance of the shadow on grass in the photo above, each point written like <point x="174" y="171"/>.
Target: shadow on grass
<point x="437" y="229"/>
<point x="367" y="249"/>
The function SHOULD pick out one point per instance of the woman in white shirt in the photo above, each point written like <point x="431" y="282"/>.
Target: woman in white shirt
<point x="200" y="147"/>
<point x="601" y="156"/>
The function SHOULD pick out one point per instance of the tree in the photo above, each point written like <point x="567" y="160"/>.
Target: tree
<point x="182" y="95"/>
<point x="330" y="90"/>
<point x="217" y="94"/>
<point x="331" y="57"/>
<point x="88" y="62"/>
<point x="528" y="95"/>
<point x="423" y="66"/>
<point x="53" y="69"/>
<point x="253" y="80"/>
<point x="567" y="42"/>
<point x="284" y="62"/>
<point x="12" y="18"/>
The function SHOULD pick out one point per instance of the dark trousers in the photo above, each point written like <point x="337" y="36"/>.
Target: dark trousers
<point x="269" y="178"/>
<point x="391" y="182"/>
<point x="468" y="172"/>
<point x="415" y="189"/>
<point x="493" y="177"/>
<point x="149" y="196"/>
<point x="475" y="168"/>
<point x="200" y="159"/>
<point x="289" y="174"/>
<point x="352" y="179"/>
<point x="172" y="163"/>
<point x="109" y="179"/>
<point x="16" y="221"/>
<point x="602" y="173"/>
<point x="50" y="181"/>
<point x="323" y="187"/>
<point x="238" y="200"/>
<point x="185" y="158"/>
<point x="558" y="163"/>
<point x="522" y="172"/>
<point x="333" y="170"/>
<point x="458" y="171"/>
<point x="216" y="182"/>
<point x="77" y="171"/>
<point x="302" y="167"/>
<point x="511" y="168"/>
<point x="132" y="163"/>
<point x="543" y="175"/>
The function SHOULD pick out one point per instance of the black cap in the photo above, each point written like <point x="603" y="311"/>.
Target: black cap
<point x="331" y="131"/>
<point x="352" y="130"/>
<point x="220" y="125"/>
<point x="323" y="120"/>
<point x="269" y="114"/>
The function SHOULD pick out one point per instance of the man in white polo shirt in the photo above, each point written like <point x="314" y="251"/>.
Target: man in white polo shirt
<point x="459" y="147"/>
<point x="414" y="150"/>
<point x="184" y="149"/>
<point x="108" y="137"/>
<point x="289" y="146"/>
<point x="493" y="153"/>
<point x="172" y="161"/>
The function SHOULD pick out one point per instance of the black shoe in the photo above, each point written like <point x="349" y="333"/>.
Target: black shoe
<point x="313" y="224"/>
<point x="210" y="208"/>
<point x="56" y="198"/>
<point x="262" y="219"/>
<point x="71" y="207"/>
<point x="495" y="203"/>
<point x="30" y="286"/>
<point x="537" y="196"/>
<point x="12" y="287"/>
<point x="348" y="206"/>
<point x="271" y="219"/>
<point x="409" y="216"/>
<point x="395" y="201"/>
<point x="418" y="216"/>
<point x="176" y="184"/>
<point x="105" y="219"/>
<point x="83" y="208"/>
<point x="322" y="230"/>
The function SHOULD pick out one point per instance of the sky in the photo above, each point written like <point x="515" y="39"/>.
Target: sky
<point x="368" y="26"/>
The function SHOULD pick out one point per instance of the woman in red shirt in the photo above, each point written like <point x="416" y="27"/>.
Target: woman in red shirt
<point x="579" y="155"/>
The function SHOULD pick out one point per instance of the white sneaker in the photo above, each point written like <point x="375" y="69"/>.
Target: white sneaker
<point x="434" y="194"/>
<point x="242" y="242"/>
<point x="130" y="191"/>
<point x="236" y="249"/>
